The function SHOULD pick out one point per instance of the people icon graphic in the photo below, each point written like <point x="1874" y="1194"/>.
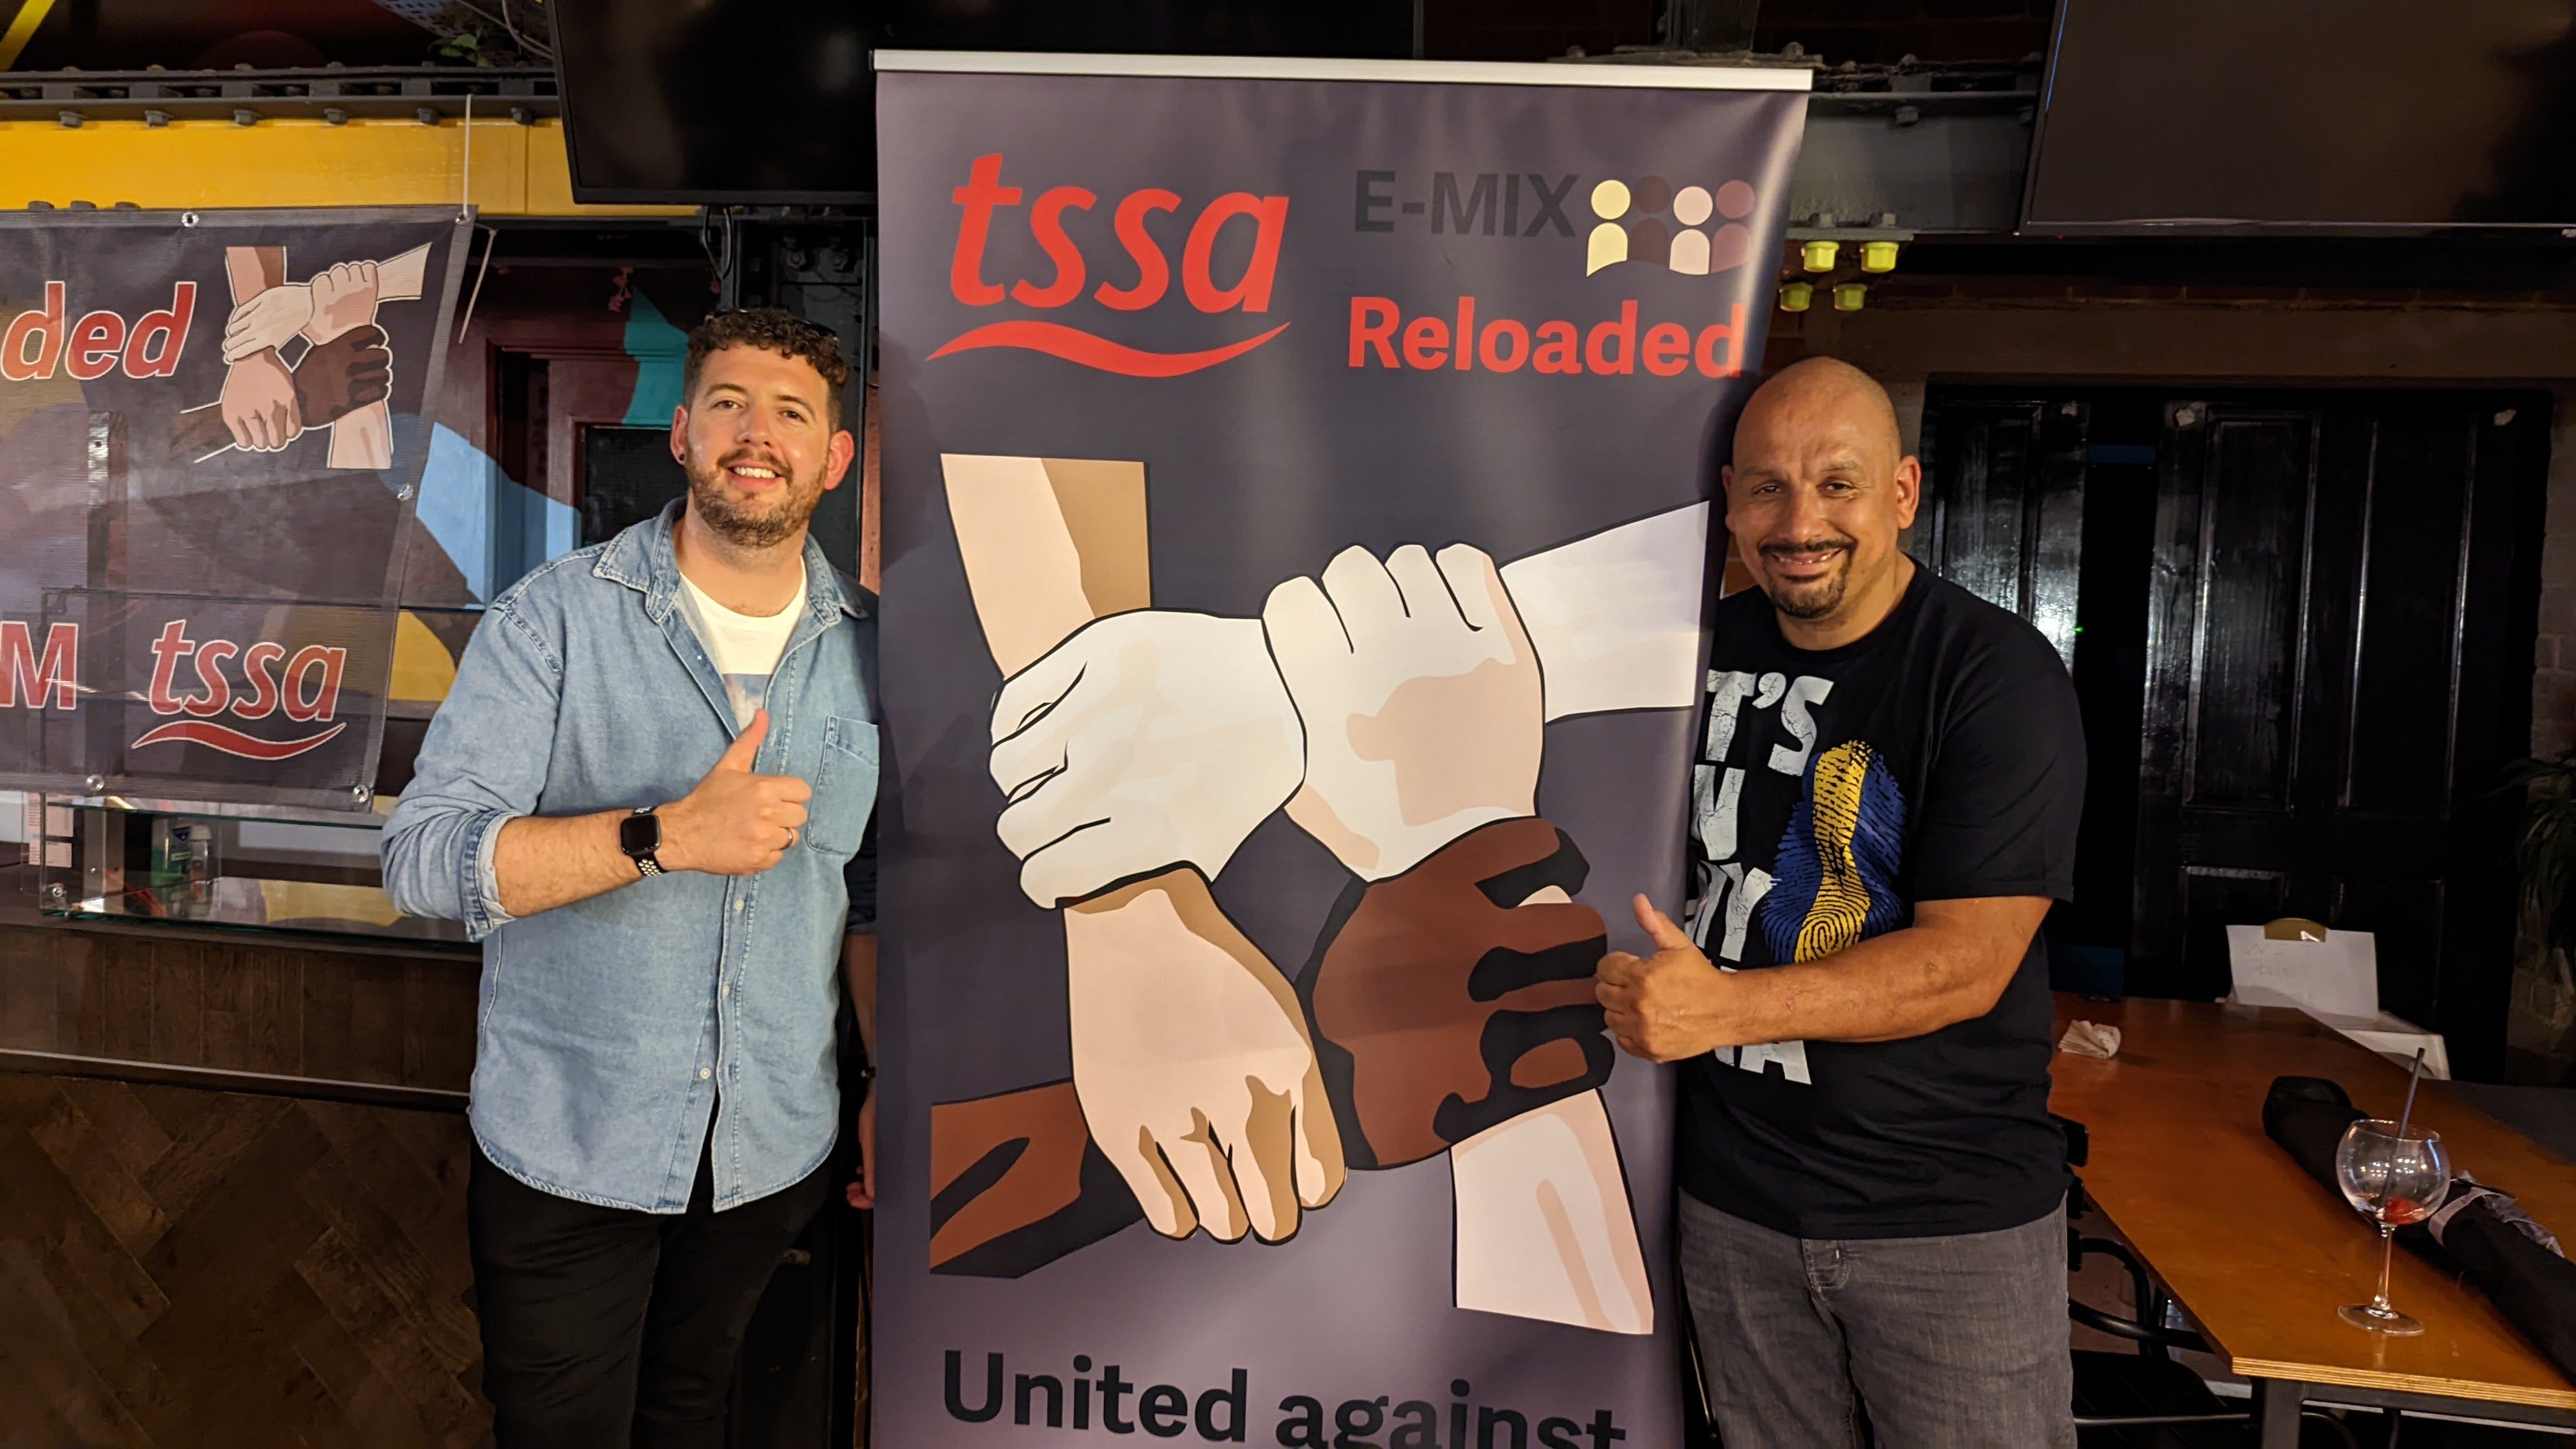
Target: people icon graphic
<point x="1630" y="226"/>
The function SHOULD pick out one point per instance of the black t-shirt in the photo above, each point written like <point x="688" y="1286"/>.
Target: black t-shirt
<point x="1941" y="757"/>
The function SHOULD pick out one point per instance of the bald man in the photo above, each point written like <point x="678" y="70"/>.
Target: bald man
<point x="1872" y="1219"/>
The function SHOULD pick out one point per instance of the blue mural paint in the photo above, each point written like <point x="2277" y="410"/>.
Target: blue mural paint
<point x="493" y="528"/>
<point x="659" y="350"/>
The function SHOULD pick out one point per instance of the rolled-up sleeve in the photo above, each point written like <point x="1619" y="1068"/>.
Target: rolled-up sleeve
<point x="860" y="878"/>
<point x="482" y="765"/>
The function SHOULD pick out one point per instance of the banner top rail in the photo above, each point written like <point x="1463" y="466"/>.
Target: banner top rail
<point x="1300" y="68"/>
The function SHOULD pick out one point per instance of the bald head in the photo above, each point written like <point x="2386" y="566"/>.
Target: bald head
<point x="1818" y="493"/>
<point x="1817" y="390"/>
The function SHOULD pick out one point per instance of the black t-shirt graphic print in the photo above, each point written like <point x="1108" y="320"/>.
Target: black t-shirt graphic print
<point x="1941" y="757"/>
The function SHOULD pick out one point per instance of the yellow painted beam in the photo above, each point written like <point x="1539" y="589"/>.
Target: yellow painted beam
<point x="518" y="170"/>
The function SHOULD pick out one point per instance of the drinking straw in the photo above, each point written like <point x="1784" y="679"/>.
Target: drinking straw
<point x="2414" y="1079"/>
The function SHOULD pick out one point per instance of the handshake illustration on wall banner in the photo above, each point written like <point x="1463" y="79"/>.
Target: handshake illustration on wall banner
<point x="339" y="382"/>
<point x="1395" y="708"/>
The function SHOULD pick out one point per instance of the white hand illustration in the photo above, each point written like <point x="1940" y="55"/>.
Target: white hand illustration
<point x="1421" y="702"/>
<point x="1544" y="1227"/>
<point x="267" y="320"/>
<point x="1147" y="739"/>
<point x="343" y="297"/>
<point x="1191" y="1060"/>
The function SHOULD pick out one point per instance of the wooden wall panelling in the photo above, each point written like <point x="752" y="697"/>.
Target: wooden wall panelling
<point x="194" y="1268"/>
<point x="270" y="1007"/>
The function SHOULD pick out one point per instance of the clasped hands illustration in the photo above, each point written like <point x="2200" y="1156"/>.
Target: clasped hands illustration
<point x="342" y="381"/>
<point x="266" y="404"/>
<point x="1395" y="710"/>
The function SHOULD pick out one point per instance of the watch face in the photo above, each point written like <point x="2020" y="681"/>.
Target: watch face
<point x="640" y="834"/>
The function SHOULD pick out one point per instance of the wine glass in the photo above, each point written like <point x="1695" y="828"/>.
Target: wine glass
<point x="2392" y="1178"/>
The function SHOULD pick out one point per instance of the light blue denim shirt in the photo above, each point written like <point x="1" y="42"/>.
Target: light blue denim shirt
<point x="607" y="1026"/>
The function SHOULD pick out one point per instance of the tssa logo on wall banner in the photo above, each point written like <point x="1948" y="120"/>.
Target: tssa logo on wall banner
<point x="212" y="429"/>
<point x="1297" y="508"/>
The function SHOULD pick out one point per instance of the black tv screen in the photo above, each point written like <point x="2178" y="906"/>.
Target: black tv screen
<point x="2366" y="116"/>
<point x="773" y="101"/>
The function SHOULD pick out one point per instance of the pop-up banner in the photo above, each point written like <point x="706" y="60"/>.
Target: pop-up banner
<point x="1297" y="483"/>
<point x="211" y="429"/>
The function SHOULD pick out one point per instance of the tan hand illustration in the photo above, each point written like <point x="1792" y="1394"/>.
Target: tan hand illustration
<point x="1421" y="701"/>
<point x="267" y="320"/>
<point x="259" y="403"/>
<point x="1192" y="1063"/>
<point x="1146" y="740"/>
<point x="343" y="297"/>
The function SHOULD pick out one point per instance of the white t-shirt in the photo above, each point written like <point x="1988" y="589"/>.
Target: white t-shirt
<point x="743" y="647"/>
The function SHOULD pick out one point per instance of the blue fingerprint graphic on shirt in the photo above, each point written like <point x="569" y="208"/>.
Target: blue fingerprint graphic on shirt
<point x="1834" y="884"/>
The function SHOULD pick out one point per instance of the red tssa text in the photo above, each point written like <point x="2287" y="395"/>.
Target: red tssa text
<point x="984" y="195"/>
<point x="307" y="689"/>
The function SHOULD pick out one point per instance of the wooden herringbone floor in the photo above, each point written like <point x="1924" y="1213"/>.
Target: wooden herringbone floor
<point x="184" y="1268"/>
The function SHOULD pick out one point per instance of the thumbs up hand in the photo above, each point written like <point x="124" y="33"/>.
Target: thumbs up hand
<point x="1667" y="1006"/>
<point x="735" y="822"/>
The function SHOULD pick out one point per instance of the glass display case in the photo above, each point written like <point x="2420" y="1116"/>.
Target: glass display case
<point x="254" y="867"/>
<point x="263" y="868"/>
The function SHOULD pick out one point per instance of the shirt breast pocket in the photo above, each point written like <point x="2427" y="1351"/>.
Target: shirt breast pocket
<point x="845" y="786"/>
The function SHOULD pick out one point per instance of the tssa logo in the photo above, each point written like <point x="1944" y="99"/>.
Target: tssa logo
<point x="41" y="340"/>
<point x="306" y="690"/>
<point x="1141" y="254"/>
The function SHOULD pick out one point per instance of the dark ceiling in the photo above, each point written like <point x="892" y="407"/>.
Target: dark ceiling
<point x="222" y="34"/>
<point x="281" y="34"/>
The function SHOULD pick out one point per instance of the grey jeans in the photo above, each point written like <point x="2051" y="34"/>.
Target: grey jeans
<point x="1949" y="1341"/>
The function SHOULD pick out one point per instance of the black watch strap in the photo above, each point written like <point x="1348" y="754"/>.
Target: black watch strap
<point x="640" y="835"/>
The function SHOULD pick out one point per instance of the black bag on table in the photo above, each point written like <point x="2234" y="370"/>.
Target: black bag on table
<point x="2480" y="1232"/>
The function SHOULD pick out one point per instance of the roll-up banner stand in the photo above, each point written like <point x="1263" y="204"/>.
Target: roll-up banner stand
<point x="212" y="429"/>
<point x="1297" y="548"/>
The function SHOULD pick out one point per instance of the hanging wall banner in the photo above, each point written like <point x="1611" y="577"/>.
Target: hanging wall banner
<point x="1297" y="483"/>
<point x="211" y="429"/>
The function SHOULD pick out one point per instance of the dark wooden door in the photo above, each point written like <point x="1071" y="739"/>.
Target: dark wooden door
<point x="2338" y="666"/>
<point x="2006" y="504"/>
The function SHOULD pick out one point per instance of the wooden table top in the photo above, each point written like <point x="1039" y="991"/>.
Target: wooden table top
<point x="2259" y="1254"/>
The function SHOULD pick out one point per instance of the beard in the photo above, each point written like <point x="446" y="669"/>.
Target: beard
<point x="1814" y="598"/>
<point x="762" y="521"/>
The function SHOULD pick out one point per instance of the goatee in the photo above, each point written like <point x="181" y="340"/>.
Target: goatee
<point x="1810" y="598"/>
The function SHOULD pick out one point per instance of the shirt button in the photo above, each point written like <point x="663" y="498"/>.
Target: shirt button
<point x="737" y="906"/>
<point x="724" y="988"/>
<point x="705" y="1072"/>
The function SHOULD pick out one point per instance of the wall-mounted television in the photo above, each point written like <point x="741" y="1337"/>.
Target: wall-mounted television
<point x="773" y="101"/>
<point x="2391" y="117"/>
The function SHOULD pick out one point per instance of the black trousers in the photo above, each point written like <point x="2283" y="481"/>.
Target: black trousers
<point x="605" y="1327"/>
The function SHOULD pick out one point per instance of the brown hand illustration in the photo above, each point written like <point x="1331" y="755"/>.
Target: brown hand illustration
<point x="259" y="403"/>
<point x="1016" y="1183"/>
<point x="1458" y="995"/>
<point x="338" y="377"/>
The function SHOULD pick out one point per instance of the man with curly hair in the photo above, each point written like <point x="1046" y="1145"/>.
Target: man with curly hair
<point x="648" y="795"/>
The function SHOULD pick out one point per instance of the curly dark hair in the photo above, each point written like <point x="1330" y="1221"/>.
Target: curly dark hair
<point x="772" y="329"/>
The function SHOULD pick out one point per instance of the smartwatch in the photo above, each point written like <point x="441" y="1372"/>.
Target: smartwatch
<point x="639" y="835"/>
